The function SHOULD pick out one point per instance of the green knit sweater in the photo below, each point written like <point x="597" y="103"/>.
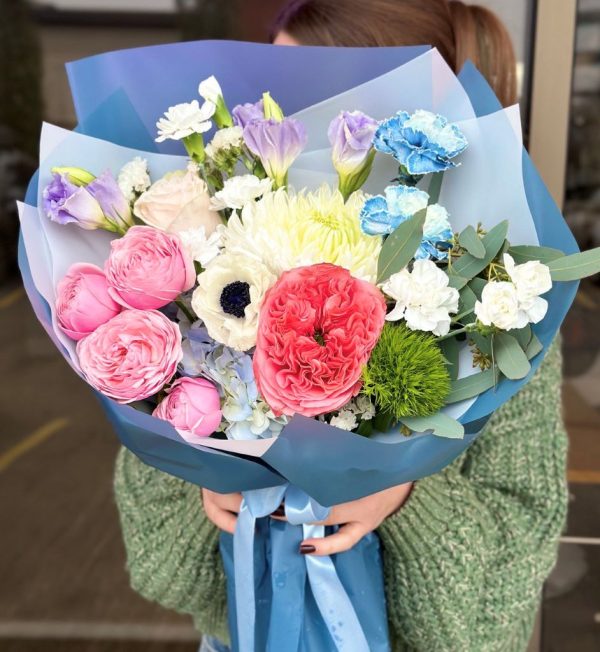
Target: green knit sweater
<point x="464" y="558"/>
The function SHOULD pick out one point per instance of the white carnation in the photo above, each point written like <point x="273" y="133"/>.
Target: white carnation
<point x="226" y="275"/>
<point x="133" y="178"/>
<point x="210" y="90"/>
<point x="436" y="221"/>
<point x="499" y="306"/>
<point x="422" y="297"/>
<point x="225" y="139"/>
<point x="531" y="278"/>
<point x="238" y="191"/>
<point x="202" y="248"/>
<point x="183" y="120"/>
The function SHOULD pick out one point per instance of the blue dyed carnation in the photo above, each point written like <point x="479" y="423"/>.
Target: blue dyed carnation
<point x="422" y="142"/>
<point x="382" y="215"/>
<point x="247" y="416"/>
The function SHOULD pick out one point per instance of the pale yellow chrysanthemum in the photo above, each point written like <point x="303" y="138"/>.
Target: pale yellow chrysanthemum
<point x="286" y="230"/>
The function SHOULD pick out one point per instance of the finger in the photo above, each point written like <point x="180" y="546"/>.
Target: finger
<point x="229" y="502"/>
<point x="346" y="537"/>
<point x="222" y="518"/>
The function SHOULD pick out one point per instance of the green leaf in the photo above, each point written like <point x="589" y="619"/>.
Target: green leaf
<point x="450" y="349"/>
<point x="575" y="266"/>
<point x="467" y="301"/>
<point x="470" y="386"/>
<point x="435" y="187"/>
<point x="484" y="344"/>
<point x="525" y="253"/>
<point x="522" y="335"/>
<point x="399" y="247"/>
<point x="510" y="357"/>
<point x="477" y="284"/>
<point x="534" y="347"/>
<point x="441" y="424"/>
<point x="469" y="266"/>
<point x="456" y="281"/>
<point x="470" y="241"/>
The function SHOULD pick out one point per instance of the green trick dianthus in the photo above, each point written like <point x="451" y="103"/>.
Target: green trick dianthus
<point x="406" y="374"/>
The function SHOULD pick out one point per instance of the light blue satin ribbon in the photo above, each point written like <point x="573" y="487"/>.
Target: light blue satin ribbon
<point x="331" y="597"/>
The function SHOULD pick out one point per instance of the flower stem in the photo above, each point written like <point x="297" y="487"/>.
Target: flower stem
<point x="186" y="311"/>
<point x="465" y="329"/>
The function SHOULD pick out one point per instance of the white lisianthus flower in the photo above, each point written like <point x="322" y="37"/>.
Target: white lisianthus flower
<point x="228" y="298"/>
<point x="133" y="178"/>
<point x="178" y="202"/>
<point x="183" y="120"/>
<point x="499" y="306"/>
<point x="238" y="191"/>
<point x="346" y="420"/>
<point x="531" y="279"/>
<point x="423" y="298"/>
<point x="210" y="90"/>
<point x="225" y="139"/>
<point x="203" y="249"/>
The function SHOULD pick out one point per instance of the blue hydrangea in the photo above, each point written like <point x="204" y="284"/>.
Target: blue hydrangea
<point x="382" y="215"/>
<point x="246" y="415"/>
<point x="422" y="142"/>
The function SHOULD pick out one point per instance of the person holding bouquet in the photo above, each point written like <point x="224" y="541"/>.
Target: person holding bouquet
<point x="465" y="551"/>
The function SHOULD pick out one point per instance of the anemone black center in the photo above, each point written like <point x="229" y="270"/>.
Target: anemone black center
<point x="235" y="297"/>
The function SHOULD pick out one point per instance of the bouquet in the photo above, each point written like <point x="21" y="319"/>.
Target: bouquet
<point x="306" y="307"/>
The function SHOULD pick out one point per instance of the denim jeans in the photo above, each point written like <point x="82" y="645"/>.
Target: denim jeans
<point x="210" y="644"/>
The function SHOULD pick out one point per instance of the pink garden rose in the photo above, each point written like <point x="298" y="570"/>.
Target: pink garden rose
<point x="148" y="268"/>
<point x="193" y="407"/>
<point x="132" y="356"/>
<point x="83" y="302"/>
<point x="316" y="330"/>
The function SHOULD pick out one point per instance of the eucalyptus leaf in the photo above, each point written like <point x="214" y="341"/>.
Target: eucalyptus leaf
<point x="510" y="357"/>
<point x="467" y="301"/>
<point x="450" y="348"/>
<point x="575" y="266"/>
<point x="534" y="347"/>
<point x="470" y="241"/>
<point x="524" y="253"/>
<point x="477" y="284"/>
<point x="441" y="424"/>
<point x="456" y="281"/>
<point x="522" y="335"/>
<point x="470" y="386"/>
<point x="400" y="246"/>
<point x="469" y="266"/>
<point x="435" y="187"/>
<point x="484" y="344"/>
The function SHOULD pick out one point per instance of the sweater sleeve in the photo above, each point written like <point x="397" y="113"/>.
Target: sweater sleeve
<point x="465" y="558"/>
<point x="172" y="548"/>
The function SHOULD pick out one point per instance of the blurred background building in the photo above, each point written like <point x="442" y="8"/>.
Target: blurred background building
<point x="63" y="585"/>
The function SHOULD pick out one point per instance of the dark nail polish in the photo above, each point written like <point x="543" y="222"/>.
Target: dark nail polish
<point x="306" y="548"/>
<point x="280" y="511"/>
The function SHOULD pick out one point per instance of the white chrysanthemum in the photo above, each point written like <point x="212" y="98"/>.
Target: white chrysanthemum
<point x="185" y="119"/>
<point x="287" y="230"/>
<point x="133" y="178"/>
<point x="228" y="298"/>
<point x="225" y="139"/>
<point x="499" y="306"/>
<point x="238" y="191"/>
<point x="346" y="420"/>
<point x="210" y="90"/>
<point x="202" y="248"/>
<point x="423" y="298"/>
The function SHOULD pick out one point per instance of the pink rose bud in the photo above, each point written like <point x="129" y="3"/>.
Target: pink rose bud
<point x="132" y="356"/>
<point x="148" y="268"/>
<point x="193" y="407"/>
<point x="83" y="302"/>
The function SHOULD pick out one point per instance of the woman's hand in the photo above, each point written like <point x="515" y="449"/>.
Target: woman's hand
<point x="356" y="518"/>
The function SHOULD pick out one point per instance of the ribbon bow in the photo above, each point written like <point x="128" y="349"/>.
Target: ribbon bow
<point x="330" y="596"/>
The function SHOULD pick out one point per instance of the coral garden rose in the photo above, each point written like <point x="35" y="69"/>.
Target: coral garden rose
<point x="148" y="268"/>
<point x="317" y="327"/>
<point x="83" y="301"/>
<point x="193" y="406"/>
<point x="132" y="356"/>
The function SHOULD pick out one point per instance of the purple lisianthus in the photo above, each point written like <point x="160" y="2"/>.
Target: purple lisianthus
<point x="246" y="113"/>
<point x="351" y="137"/>
<point x="98" y="205"/>
<point x="277" y="144"/>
